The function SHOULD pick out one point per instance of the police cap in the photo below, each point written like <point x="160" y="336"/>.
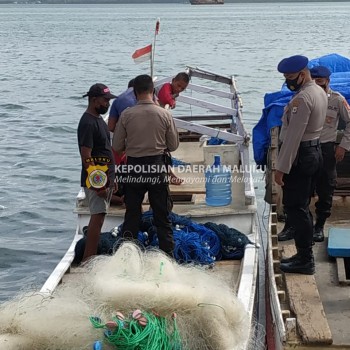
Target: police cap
<point x="320" y="72"/>
<point x="293" y="64"/>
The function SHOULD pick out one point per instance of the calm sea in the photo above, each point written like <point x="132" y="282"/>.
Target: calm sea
<point x="51" y="54"/>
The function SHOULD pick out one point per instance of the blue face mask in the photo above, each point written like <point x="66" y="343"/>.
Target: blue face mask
<point x="292" y="84"/>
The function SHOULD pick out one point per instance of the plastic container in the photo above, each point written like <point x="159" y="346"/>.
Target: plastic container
<point x="218" y="184"/>
<point x="229" y="154"/>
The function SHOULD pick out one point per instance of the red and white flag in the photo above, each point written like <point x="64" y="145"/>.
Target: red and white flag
<point x="142" y="55"/>
<point x="157" y="27"/>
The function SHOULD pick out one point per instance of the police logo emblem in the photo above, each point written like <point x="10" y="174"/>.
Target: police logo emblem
<point x="97" y="176"/>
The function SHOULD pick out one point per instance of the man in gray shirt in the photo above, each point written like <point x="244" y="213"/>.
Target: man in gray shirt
<point x="146" y="131"/>
<point x="300" y="159"/>
<point x="338" y="109"/>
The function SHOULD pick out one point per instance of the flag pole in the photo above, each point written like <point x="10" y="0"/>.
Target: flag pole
<point x="154" y="46"/>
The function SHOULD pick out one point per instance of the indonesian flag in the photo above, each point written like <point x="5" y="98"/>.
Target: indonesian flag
<point x="142" y="55"/>
<point x="157" y="27"/>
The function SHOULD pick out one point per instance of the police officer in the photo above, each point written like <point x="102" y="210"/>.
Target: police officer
<point x="338" y="109"/>
<point x="300" y="159"/>
<point x="145" y="132"/>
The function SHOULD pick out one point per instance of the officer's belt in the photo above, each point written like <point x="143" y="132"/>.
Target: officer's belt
<point x="157" y="159"/>
<point x="311" y="143"/>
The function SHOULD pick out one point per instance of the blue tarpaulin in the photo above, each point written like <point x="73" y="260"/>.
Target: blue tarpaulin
<point x="274" y="102"/>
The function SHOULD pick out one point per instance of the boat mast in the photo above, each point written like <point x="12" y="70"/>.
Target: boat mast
<point x="154" y="46"/>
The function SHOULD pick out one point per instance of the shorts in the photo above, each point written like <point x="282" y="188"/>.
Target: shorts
<point x="98" y="205"/>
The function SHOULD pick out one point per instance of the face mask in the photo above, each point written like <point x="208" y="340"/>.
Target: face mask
<point x="101" y="110"/>
<point x="324" y="87"/>
<point x="293" y="85"/>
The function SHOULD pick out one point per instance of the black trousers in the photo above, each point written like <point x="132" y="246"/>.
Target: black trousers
<point x="156" y="185"/>
<point x="326" y="181"/>
<point x="298" y="188"/>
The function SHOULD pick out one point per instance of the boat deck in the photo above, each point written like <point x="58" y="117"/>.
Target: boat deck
<point x="320" y="303"/>
<point x="226" y="270"/>
<point x="189" y="197"/>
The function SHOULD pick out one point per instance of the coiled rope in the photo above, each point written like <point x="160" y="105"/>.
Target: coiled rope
<point x="141" y="330"/>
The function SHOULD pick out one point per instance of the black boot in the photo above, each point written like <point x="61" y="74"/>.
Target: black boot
<point x="303" y="263"/>
<point x="318" y="230"/>
<point x="286" y="234"/>
<point x="291" y="258"/>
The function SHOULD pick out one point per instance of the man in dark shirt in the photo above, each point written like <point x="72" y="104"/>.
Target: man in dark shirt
<point x="98" y="173"/>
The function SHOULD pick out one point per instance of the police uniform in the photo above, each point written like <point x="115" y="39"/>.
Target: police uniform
<point x="338" y="109"/>
<point x="144" y="132"/>
<point x="300" y="160"/>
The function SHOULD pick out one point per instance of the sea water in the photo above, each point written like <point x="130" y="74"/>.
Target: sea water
<point x="52" y="54"/>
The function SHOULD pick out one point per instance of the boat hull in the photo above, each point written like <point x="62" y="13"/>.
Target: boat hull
<point x="241" y="214"/>
<point x="207" y="2"/>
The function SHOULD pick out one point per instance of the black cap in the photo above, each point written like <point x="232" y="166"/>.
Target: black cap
<point x="98" y="90"/>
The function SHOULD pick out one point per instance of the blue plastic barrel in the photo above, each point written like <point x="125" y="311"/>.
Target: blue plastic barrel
<point x="218" y="184"/>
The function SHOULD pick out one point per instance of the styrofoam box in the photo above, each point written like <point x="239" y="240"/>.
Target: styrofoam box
<point x="229" y="154"/>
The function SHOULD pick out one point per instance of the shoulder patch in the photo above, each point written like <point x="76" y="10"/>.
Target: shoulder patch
<point x="346" y="104"/>
<point x="296" y="102"/>
<point x="294" y="109"/>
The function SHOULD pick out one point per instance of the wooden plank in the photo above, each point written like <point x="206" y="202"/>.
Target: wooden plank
<point x="207" y="105"/>
<point x="342" y="278"/>
<point x="306" y="304"/>
<point x="291" y="329"/>
<point x="206" y="130"/>
<point x="247" y="175"/>
<point x="210" y="117"/>
<point x="204" y="74"/>
<point x="273" y="275"/>
<point x="194" y="183"/>
<point x="228" y="271"/>
<point x="210" y="91"/>
<point x="285" y="314"/>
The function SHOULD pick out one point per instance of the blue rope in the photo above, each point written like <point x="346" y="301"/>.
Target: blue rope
<point x="216" y="141"/>
<point x="180" y="220"/>
<point x="190" y="248"/>
<point x="195" y="243"/>
<point x="177" y="162"/>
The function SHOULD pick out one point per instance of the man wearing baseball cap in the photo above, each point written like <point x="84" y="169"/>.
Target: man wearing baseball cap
<point x="300" y="159"/>
<point x="97" y="174"/>
<point x="338" y="110"/>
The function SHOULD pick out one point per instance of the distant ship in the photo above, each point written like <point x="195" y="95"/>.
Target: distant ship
<point x="207" y="2"/>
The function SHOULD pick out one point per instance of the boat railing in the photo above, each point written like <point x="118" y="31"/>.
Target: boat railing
<point x="236" y="114"/>
<point x="224" y="115"/>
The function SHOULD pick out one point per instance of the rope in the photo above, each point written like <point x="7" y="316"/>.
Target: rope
<point x="177" y="162"/>
<point x="192" y="247"/>
<point x="195" y="243"/>
<point x="141" y="330"/>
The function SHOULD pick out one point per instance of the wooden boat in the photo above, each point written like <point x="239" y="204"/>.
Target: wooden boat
<point x="308" y="312"/>
<point x="189" y="198"/>
<point x="207" y="2"/>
